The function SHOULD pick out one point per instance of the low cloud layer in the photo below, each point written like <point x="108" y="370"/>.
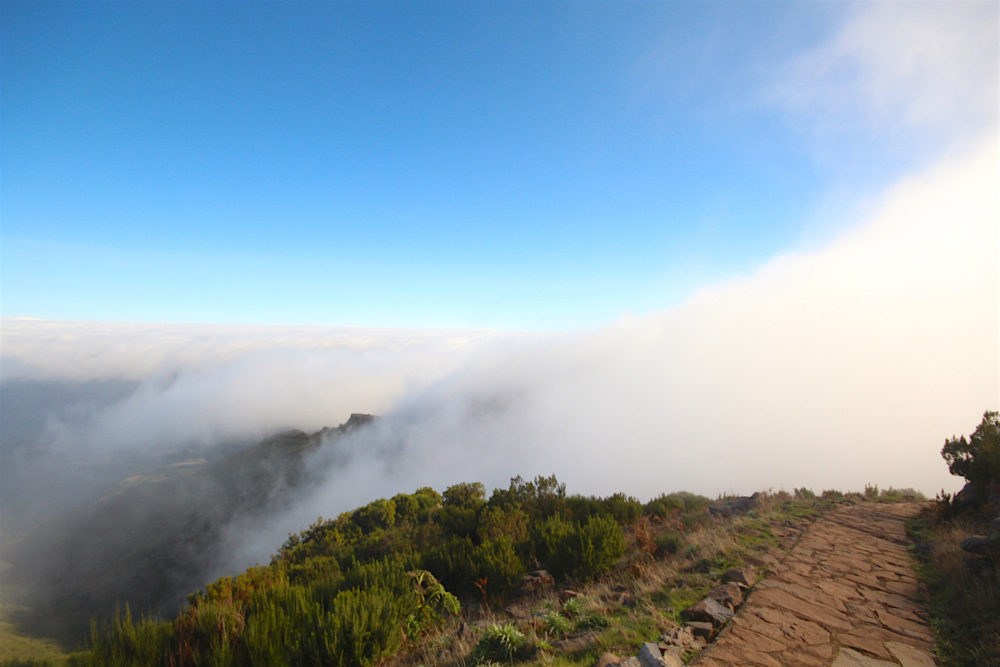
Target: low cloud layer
<point x="832" y="368"/>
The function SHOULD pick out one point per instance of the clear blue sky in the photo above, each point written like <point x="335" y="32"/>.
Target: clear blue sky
<point x="448" y="164"/>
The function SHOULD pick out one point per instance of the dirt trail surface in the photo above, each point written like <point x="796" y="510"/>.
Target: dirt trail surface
<point x="845" y="595"/>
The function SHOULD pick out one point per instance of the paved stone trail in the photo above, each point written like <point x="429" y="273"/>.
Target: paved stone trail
<point x="845" y="595"/>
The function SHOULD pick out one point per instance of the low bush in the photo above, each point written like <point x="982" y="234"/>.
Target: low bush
<point x="501" y="643"/>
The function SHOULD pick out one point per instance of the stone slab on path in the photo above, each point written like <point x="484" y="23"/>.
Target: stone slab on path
<point x="845" y="594"/>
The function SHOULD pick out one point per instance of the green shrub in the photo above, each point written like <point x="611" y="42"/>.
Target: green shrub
<point x="977" y="458"/>
<point x="454" y="565"/>
<point x="433" y="605"/>
<point x="541" y="498"/>
<point x="669" y="542"/>
<point x="125" y="642"/>
<point x="496" y="521"/>
<point x="288" y="626"/>
<point x="572" y="607"/>
<point x="555" y="624"/>
<point x="492" y="569"/>
<point x="590" y="621"/>
<point x="498" y="563"/>
<point x="501" y="643"/>
<point x="583" y="550"/>
<point x="377" y="514"/>
<point x="318" y="568"/>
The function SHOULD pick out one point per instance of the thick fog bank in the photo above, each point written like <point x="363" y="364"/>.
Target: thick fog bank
<point x="830" y="368"/>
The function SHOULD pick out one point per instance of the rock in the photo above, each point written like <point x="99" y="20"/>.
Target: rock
<point x="847" y="657"/>
<point x="979" y="567"/>
<point x="708" y="610"/>
<point x="701" y="629"/>
<point x="607" y="660"/>
<point x="977" y="544"/>
<point x="684" y="638"/>
<point x="910" y="656"/>
<point x="631" y="661"/>
<point x="728" y="595"/>
<point x="649" y="655"/>
<point x="967" y="497"/>
<point x="671" y="658"/>
<point x="742" y="577"/>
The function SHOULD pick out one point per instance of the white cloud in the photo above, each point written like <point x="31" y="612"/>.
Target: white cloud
<point x="832" y="368"/>
<point x="900" y="70"/>
<point x="828" y="369"/>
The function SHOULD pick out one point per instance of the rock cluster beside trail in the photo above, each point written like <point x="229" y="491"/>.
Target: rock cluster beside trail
<point x="703" y="620"/>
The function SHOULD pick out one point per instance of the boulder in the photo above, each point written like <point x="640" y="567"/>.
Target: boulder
<point x="742" y="577"/>
<point x="701" y="629"/>
<point x="977" y="544"/>
<point x="967" y="497"/>
<point x="649" y="655"/>
<point x="728" y="595"/>
<point x="708" y="610"/>
<point x="671" y="658"/>
<point x="631" y="661"/>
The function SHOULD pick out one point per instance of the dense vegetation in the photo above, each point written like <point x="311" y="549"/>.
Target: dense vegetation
<point x="428" y="578"/>
<point x="965" y="588"/>
<point x="440" y="578"/>
<point x="977" y="458"/>
<point x="354" y="589"/>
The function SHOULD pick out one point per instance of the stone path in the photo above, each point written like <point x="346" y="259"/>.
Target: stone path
<point x="845" y="595"/>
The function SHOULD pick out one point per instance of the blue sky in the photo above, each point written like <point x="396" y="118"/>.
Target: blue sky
<point x="500" y="165"/>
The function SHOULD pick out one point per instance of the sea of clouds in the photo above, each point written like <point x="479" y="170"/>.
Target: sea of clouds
<point x="833" y="366"/>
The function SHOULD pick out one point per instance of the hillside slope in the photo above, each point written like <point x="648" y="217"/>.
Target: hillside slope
<point x="154" y="537"/>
